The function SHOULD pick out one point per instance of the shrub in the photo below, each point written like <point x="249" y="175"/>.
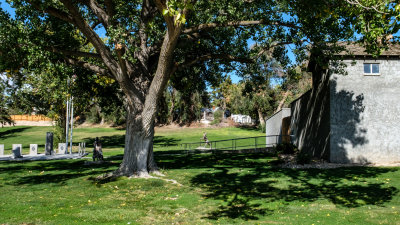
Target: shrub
<point x="58" y="134"/>
<point x="286" y="148"/>
<point x="262" y="128"/>
<point x="115" y="116"/>
<point x="303" y="158"/>
<point x="217" y="117"/>
<point x="93" y="115"/>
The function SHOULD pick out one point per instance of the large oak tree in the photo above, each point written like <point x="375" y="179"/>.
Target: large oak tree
<point x="141" y="44"/>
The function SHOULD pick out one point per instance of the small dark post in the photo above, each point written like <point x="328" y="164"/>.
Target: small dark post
<point x="49" y="143"/>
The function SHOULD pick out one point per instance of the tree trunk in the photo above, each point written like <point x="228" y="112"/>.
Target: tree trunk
<point x="172" y="109"/>
<point x="59" y="126"/>
<point x="138" y="154"/>
<point x="261" y="118"/>
<point x="282" y="101"/>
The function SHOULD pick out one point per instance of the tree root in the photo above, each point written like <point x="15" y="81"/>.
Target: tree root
<point x="112" y="175"/>
<point x="148" y="176"/>
<point x="117" y="173"/>
<point x="108" y="176"/>
<point x="171" y="180"/>
<point x="158" y="173"/>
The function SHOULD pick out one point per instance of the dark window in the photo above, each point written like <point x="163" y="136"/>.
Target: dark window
<point x="367" y="68"/>
<point x="371" y="68"/>
<point x="375" y="68"/>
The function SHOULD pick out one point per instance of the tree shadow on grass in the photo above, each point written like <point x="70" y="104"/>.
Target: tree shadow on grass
<point x="248" y="127"/>
<point x="118" y="141"/>
<point x="196" y="161"/>
<point x="247" y="185"/>
<point x="114" y="141"/>
<point x="161" y="141"/>
<point x="52" y="172"/>
<point x="11" y="132"/>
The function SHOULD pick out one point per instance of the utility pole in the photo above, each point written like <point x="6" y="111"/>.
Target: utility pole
<point x="70" y="116"/>
<point x="67" y="119"/>
<point x="72" y="123"/>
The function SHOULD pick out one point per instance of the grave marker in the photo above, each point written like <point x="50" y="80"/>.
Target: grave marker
<point x="62" y="147"/>
<point x="49" y="143"/>
<point x="16" y="151"/>
<point x="1" y="149"/>
<point x="82" y="148"/>
<point x="33" y="149"/>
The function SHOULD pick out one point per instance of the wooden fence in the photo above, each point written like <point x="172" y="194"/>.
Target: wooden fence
<point x="36" y="118"/>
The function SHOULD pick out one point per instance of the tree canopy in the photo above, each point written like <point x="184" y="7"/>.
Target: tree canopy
<point x="378" y="22"/>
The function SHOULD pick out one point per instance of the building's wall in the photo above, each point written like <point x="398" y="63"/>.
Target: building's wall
<point x="310" y="119"/>
<point x="273" y="127"/>
<point x="365" y="114"/>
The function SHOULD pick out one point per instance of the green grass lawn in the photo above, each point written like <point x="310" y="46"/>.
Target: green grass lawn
<point x="211" y="189"/>
<point x="113" y="138"/>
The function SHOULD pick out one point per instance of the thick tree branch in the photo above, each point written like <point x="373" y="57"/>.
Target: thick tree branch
<point x="211" y="56"/>
<point x="274" y="45"/>
<point x="147" y="14"/>
<point x="118" y="71"/>
<point x="105" y="17"/>
<point x="163" y="71"/>
<point x="73" y="53"/>
<point x="120" y="50"/>
<point x="52" y="11"/>
<point x="161" y="5"/>
<point x="218" y="56"/>
<point x="88" y="66"/>
<point x="238" y="24"/>
<point x="117" y="68"/>
<point x="375" y="8"/>
<point x="101" y="14"/>
<point x="93" y="37"/>
<point x="110" y="8"/>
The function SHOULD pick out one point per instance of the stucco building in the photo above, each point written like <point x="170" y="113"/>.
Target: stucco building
<point x="351" y="118"/>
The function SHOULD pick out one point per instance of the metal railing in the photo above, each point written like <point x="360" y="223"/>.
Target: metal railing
<point x="237" y="143"/>
<point x="273" y="140"/>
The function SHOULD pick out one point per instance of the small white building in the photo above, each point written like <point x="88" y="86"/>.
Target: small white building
<point x="242" y="119"/>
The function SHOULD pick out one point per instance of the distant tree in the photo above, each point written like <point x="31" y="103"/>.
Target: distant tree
<point x="237" y="102"/>
<point x="184" y="107"/>
<point x="45" y="91"/>
<point x="271" y="66"/>
<point x="295" y="83"/>
<point x="5" y="117"/>
<point x="105" y="102"/>
<point x="221" y="92"/>
<point x="187" y="92"/>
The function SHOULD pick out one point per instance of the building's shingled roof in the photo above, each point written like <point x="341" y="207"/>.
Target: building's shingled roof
<point x="354" y="49"/>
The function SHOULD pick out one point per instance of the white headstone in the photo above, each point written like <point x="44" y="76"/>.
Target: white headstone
<point x="17" y="151"/>
<point x="61" y="148"/>
<point x="1" y="149"/>
<point x="33" y="149"/>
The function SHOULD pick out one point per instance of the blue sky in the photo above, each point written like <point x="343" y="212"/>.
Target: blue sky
<point x="6" y="7"/>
